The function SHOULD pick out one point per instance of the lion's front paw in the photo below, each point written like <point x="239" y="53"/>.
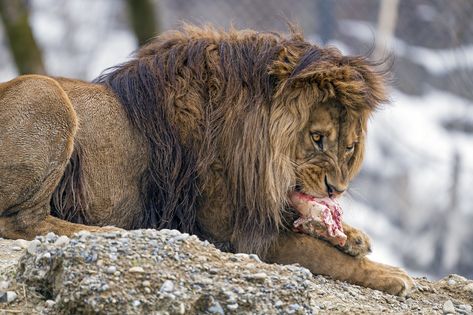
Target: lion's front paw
<point x="398" y="282"/>
<point x="358" y="244"/>
<point x="390" y="279"/>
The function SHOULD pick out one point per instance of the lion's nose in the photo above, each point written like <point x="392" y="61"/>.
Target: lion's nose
<point x="332" y="190"/>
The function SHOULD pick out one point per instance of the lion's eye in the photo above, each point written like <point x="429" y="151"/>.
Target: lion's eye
<point x="318" y="140"/>
<point x="350" y="148"/>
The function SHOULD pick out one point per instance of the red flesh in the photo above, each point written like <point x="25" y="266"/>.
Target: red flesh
<point x="320" y="217"/>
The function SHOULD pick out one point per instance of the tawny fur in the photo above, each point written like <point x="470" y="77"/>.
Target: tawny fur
<point x="203" y="131"/>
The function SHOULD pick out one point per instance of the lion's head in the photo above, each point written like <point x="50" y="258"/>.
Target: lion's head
<point x="318" y="127"/>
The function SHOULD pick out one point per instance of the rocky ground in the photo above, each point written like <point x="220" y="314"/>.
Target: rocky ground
<point x="166" y="272"/>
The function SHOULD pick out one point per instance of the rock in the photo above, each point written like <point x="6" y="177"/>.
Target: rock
<point x="167" y="286"/>
<point x="21" y="243"/>
<point x="61" y="240"/>
<point x="464" y="309"/>
<point x="469" y="288"/>
<point x="255" y="257"/>
<point x="241" y="256"/>
<point x="83" y="233"/>
<point x="294" y="307"/>
<point x="11" y="296"/>
<point x="51" y="237"/>
<point x="8" y="296"/>
<point x="33" y="246"/>
<point x="216" y="308"/>
<point x="143" y="271"/>
<point x="111" y="269"/>
<point x="448" y="307"/>
<point x="232" y="307"/>
<point x="4" y="285"/>
<point x="257" y="277"/>
<point x="136" y="270"/>
<point x="451" y="282"/>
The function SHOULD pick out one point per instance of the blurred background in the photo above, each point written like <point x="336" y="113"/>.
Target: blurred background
<point x="413" y="195"/>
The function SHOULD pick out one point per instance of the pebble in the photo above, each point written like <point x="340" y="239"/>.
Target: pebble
<point x="83" y="234"/>
<point x="180" y="237"/>
<point x="166" y="232"/>
<point x="4" y="285"/>
<point x="181" y="309"/>
<point x="294" y="307"/>
<point x="448" y="307"/>
<point x="451" y="282"/>
<point x="16" y="248"/>
<point x="49" y="303"/>
<point x="33" y="247"/>
<point x="464" y="309"/>
<point x="136" y="270"/>
<point x="468" y="288"/>
<point x="11" y="296"/>
<point x="457" y="278"/>
<point x="62" y="240"/>
<point x="50" y="237"/>
<point x="241" y="255"/>
<point x="232" y="307"/>
<point x="255" y="257"/>
<point x="167" y="286"/>
<point x="111" y="269"/>
<point x="146" y="283"/>
<point x="259" y="277"/>
<point x="21" y="243"/>
<point x="216" y="308"/>
<point x="8" y="296"/>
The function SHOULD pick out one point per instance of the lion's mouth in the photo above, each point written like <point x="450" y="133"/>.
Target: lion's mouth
<point x="319" y="217"/>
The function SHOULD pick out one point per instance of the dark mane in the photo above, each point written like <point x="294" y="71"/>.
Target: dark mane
<point x="218" y="67"/>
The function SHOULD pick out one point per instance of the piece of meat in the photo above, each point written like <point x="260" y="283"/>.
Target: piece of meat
<point x="319" y="217"/>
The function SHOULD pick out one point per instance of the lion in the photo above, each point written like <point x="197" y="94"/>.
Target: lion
<point x="204" y="131"/>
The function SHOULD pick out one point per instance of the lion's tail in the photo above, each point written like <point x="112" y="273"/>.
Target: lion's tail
<point x="69" y="199"/>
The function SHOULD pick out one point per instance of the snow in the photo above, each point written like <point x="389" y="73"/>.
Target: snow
<point x="418" y="141"/>
<point x="7" y="70"/>
<point x="436" y="61"/>
<point x="99" y="40"/>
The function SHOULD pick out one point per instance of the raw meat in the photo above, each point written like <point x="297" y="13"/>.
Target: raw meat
<point x="319" y="217"/>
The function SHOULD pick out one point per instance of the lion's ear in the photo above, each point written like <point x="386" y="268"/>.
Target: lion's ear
<point x="374" y="78"/>
<point x="285" y="63"/>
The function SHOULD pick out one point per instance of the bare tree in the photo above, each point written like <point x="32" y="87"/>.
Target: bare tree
<point x="387" y="20"/>
<point x="143" y="19"/>
<point x="25" y="51"/>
